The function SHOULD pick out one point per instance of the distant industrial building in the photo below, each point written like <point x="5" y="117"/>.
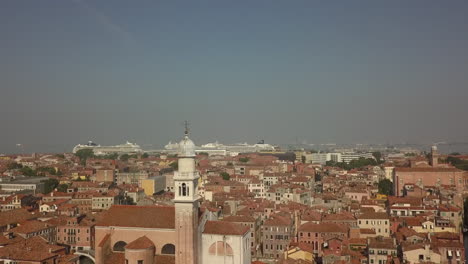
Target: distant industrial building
<point x="322" y="158"/>
<point x="31" y="185"/>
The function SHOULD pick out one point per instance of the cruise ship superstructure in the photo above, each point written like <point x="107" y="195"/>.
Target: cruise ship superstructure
<point x="127" y="148"/>
<point x="217" y="148"/>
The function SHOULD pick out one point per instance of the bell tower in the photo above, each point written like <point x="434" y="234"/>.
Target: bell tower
<point x="434" y="156"/>
<point x="186" y="204"/>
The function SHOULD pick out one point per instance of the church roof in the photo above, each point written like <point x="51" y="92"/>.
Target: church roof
<point x="225" y="228"/>
<point x="115" y="258"/>
<point x="139" y="216"/>
<point x="140" y="243"/>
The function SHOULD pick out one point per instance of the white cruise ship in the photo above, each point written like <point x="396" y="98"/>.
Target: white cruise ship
<point x="217" y="148"/>
<point x="127" y="148"/>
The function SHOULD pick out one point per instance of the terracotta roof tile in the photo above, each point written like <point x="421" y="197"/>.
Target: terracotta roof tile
<point x="32" y="249"/>
<point x="239" y="218"/>
<point x="140" y="243"/>
<point x="31" y="226"/>
<point x="225" y="228"/>
<point x="381" y="215"/>
<point x="15" y="216"/>
<point x="381" y="242"/>
<point x="139" y="216"/>
<point x="323" y="228"/>
<point x="115" y="258"/>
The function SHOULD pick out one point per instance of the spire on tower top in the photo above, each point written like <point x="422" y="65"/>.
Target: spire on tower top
<point x="186" y="123"/>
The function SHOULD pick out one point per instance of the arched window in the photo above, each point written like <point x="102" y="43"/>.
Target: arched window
<point x="184" y="189"/>
<point x="119" y="246"/>
<point x="180" y="190"/>
<point x="188" y="193"/>
<point x="168" y="249"/>
<point x="220" y="249"/>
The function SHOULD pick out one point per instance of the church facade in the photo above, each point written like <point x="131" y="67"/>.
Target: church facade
<point x="181" y="234"/>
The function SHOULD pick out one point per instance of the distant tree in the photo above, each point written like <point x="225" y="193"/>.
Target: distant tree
<point x="244" y="159"/>
<point x="145" y="155"/>
<point x="454" y="160"/>
<point x="358" y="163"/>
<point x="29" y="201"/>
<point x="174" y="165"/>
<point x="84" y="154"/>
<point x="27" y="171"/>
<point x="303" y="159"/>
<point x="128" y="200"/>
<point x="378" y="156"/>
<point x="61" y="156"/>
<point x="48" y="170"/>
<point x="14" y="166"/>
<point x="203" y="153"/>
<point x="62" y="188"/>
<point x="229" y="164"/>
<point x="458" y="163"/>
<point x="318" y="177"/>
<point x="455" y="154"/>
<point x="50" y="185"/>
<point x="385" y="187"/>
<point x="124" y="157"/>
<point x="225" y="176"/>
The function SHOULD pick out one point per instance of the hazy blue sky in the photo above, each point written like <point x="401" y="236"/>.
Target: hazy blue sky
<point x="321" y="71"/>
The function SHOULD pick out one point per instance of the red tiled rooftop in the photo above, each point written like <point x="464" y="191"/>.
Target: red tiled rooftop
<point x="323" y="228"/>
<point x="139" y="216"/>
<point x="239" y="218"/>
<point x="115" y="258"/>
<point x="140" y="243"/>
<point x="225" y="228"/>
<point x="371" y="215"/>
<point x="31" y="226"/>
<point x="426" y="169"/>
<point x="32" y="249"/>
<point x="15" y="216"/>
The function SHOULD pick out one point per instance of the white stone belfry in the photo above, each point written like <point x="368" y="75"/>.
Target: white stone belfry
<point x="186" y="204"/>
